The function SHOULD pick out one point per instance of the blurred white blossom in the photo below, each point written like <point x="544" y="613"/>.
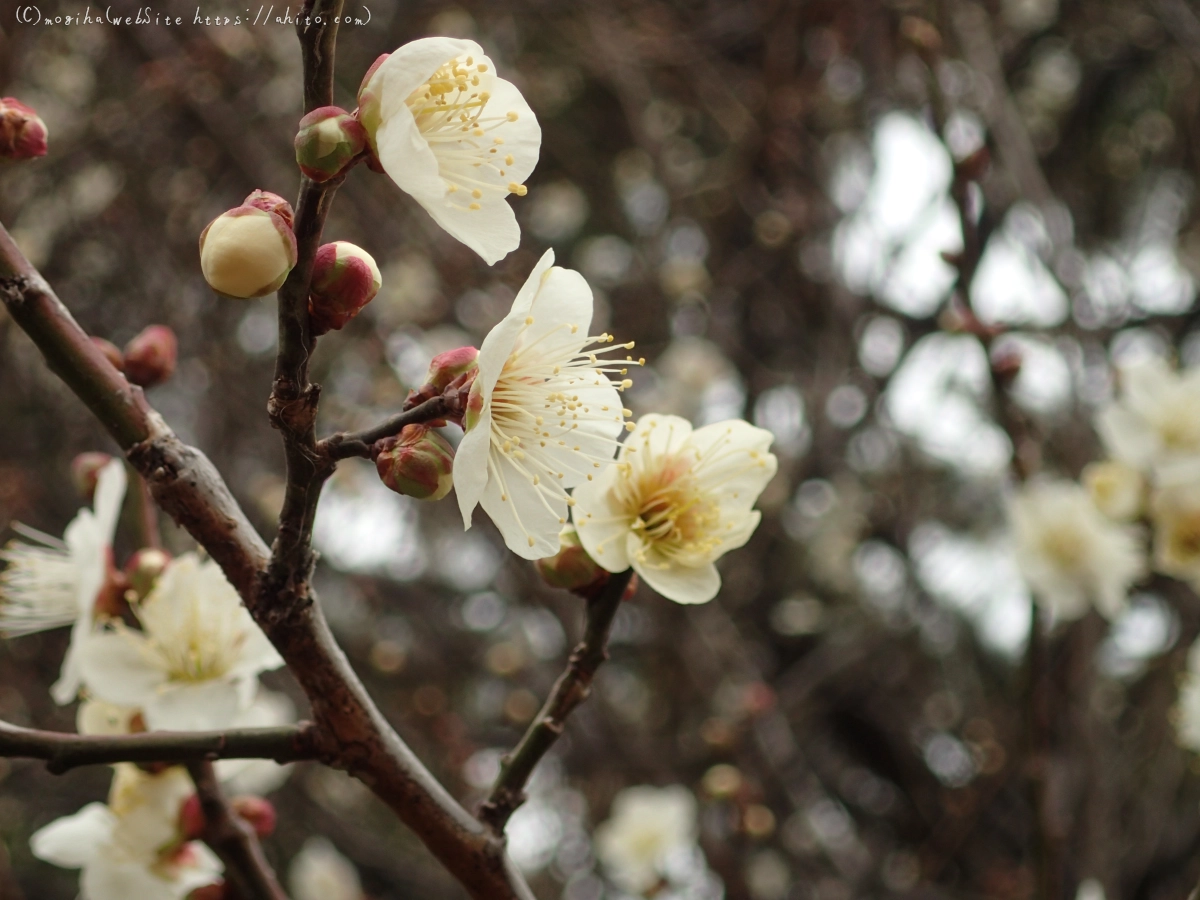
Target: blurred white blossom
<point x="319" y="872"/>
<point x="53" y="583"/>
<point x="1071" y="555"/>
<point x="647" y="825"/>
<point x="194" y="663"/>
<point x="1156" y="418"/>
<point x="133" y="847"/>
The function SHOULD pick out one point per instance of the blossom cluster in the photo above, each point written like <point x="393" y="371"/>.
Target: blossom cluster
<point x="161" y="644"/>
<point x="1084" y="544"/>
<point x="164" y="643"/>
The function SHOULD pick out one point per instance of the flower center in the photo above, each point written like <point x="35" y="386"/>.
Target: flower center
<point x="1184" y="538"/>
<point x="449" y="110"/>
<point x="670" y="512"/>
<point x="1065" y="547"/>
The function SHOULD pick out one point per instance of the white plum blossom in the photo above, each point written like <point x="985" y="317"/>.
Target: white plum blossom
<point x="51" y="583"/>
<point x="1187" y="709"/>
<point x="455" y="137"/>
<point x="1156" y="420"/>
<point x="270" y="709"/>
<point x="1071" y="555"/>
<point x="193" y="664"/>
<point x="1118" y="490"/>
<point x="675" y="501"/>
<point x="319" y="872"/>
<point x="1175" y="514"/>
<point x="133" y="846"/>
<point x="542" y="415"/>
<point x="646" y="825"/>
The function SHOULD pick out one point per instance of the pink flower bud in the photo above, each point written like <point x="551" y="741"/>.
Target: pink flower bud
<point x="257" y="812"/>
<point x="328" y="139"/>
<point x="344" y="280"/>
<point x="150" y="356"/>
<point x="271" y="203"/>
<point x="144" y="567"/>
<point x="247" y="252"/>
<point x="192" y="823"/>
<point x="571" y="568"/>
<point x="85" y="469"/>
<point x="111" y="352"/>
<point x="417" y="462"/>
<point x="446" y="367"/>
<point x="22" y="132"/>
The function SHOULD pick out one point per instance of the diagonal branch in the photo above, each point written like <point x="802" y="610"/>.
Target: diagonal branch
<point x="63" y="751"/>
<point x="233" y="840"/>
<point x="571" y="689"/>
<point x="344" y="444"/>
<point x="352" y="734"/>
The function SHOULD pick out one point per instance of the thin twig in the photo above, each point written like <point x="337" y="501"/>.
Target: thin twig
<point x="63" y="751"/>
<point x="571" y="689"/>
<point x="233" y="840"/>
<point x="343" y="444"/>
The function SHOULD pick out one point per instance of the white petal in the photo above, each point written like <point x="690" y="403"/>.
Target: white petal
<point x="257" y="655"/>
<point x="657" y="436"/>
<point x="408" y="159"/>
<point x="563" y="298"/>
<point x="1126" y="436"/>
<point x="697" y="584"/>
<point x="522" y="138"/>
<point x="110" y="492"/>
<point x="71" y="842"/>
<point x="118" y="666"/>
<point x="491" y="231"/>
<point x="410" y="66"/>
<point x="124" y="879"/>
<point x="523" y="515"/>
<point x="601" y="524"/>
<point x="471" y="466"/>
<point x="207" y="706"/>
<point x="70" y="678"/>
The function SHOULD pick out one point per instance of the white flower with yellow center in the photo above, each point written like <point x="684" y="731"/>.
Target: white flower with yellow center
<point x="647" y="824"/>
<point x="131" y="847"/>
<point x="542" y="415"/>
<point x="1118" y="490"/>
<point x="1070" y="553"/>
<point x="675" y="501"/>
<point x="1175" y="515"/>
<point x="55" y="583"/>
<point x="455" y="137"/>
<point x="193" y="664"/>
<point x="1156" y="420"/>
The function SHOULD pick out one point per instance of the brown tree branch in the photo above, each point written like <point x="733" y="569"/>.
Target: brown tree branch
<point x="233" y="840"/>
<point x="63" y="751"/>
<point x="343" y="444"/>
<point x="571" y="689"/>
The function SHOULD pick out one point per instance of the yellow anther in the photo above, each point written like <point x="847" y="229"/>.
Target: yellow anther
<point x="508" y="160"/>
<point x="529" y="320"/>
<point x="474" y="206"/>
<point x="519" y="189"/>
<point x="477" y="193"/>
<point x="512" y="117"/>
<point x="482" y="67"/>
<point x="531" y="542"/>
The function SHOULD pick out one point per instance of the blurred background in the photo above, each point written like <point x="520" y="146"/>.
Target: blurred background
<point x="760" y="194"/>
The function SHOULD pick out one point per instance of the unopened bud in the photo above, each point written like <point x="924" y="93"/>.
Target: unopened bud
<point x="368" y="111"/>
<point x="85" y="470"/>
<point x="418" y="462"/>
<point x="257" y="812"/>
<point x="446" y="367"/>
<point x="150" y="356"/>
<point x="247" y="252"/>
<point x="571" y="568"/>
<point x="110" y="601"/>
<point x="328" y="139"/>
<point x="344" y="280"/>
<point x="192" y="823"/>
<point x="1006" y="364"/>
<point x="974" y="166"/>
<point x="272" y="203"/>
<point x="22" y="132"/>
<point x="111" y="352"/>
<point x="143" y="569"/>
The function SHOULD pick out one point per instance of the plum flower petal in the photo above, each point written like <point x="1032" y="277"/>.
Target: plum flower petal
<point x="455" y="137"/>
<point x="543" y="415"/>
<point x="675" y="501"/>
<point x="194" y="664"/>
